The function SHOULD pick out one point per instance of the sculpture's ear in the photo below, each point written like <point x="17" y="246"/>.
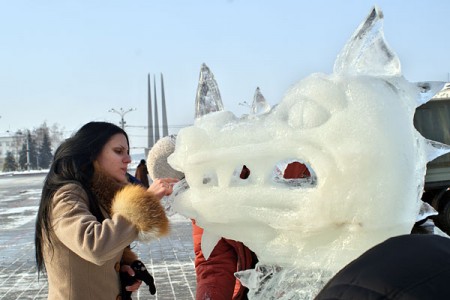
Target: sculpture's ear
<point x="367" y="53"/>
<point x="208" y="97"/>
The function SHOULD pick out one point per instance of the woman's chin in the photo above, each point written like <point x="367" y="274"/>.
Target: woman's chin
<point x="121" y="179"/>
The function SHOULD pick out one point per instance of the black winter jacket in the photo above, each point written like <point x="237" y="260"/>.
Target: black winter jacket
<point x="405" y="267"/>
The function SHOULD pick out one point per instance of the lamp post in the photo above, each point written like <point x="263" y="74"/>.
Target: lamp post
<point x="122" y="113"/>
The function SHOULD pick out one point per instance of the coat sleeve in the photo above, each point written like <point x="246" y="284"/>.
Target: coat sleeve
<point x="215" y="276"/>
<point x="76" y="227"/>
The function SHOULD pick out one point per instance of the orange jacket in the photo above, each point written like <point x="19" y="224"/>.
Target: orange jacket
<point x="215" y="276"/>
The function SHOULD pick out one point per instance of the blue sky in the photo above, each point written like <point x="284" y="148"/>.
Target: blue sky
<point x="69" y="62"/>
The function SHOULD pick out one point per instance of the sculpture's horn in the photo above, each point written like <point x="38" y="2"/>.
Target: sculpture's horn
<point x="367" y="53"/>
<point x="208" y="97"/>
<point x="259" y="105"/>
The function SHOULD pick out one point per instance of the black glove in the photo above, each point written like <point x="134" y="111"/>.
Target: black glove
<point x="141" y="273"/>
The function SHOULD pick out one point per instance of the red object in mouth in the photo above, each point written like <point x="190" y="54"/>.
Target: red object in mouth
<point x="296" y="170"/>
<point x="245" y="172"/>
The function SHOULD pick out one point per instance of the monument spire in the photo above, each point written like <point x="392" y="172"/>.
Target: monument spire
<point x="165" y="126"/>
<point x="151" y="140"/>
<point x="156" y="111"/>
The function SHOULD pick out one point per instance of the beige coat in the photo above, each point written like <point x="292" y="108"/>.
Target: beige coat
<point x="85" y="256"/>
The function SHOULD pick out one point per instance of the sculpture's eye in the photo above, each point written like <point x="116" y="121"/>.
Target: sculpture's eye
<point x="307" y="114"/>
<point x="294" y="173"/>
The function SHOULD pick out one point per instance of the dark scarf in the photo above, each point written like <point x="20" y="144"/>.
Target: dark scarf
<point x="104" y="189"/>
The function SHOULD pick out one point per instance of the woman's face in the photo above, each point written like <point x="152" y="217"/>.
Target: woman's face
<point x="114" y="158"/>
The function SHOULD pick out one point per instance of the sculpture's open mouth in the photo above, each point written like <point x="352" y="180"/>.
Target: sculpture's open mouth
<point x="290" y="173"/>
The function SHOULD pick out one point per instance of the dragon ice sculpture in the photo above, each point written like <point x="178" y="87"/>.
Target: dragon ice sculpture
<point x="354" y="131"/>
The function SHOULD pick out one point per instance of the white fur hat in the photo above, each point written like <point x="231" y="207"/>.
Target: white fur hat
<point x="157" y="164"/>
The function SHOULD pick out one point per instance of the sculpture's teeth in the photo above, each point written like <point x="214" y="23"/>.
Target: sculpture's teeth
<point x="435" y="149"/>
<point x="427" y="90"/>
<point x="209" y="241"/>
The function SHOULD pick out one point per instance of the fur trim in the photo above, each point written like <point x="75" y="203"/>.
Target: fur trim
<point x="142" y="209"/>
<point x="104" y="188"/>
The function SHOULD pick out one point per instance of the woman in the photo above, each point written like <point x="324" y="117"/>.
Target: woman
<point x="89" y="214"/>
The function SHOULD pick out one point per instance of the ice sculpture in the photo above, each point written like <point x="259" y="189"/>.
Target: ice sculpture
<point x="353" y="129"/>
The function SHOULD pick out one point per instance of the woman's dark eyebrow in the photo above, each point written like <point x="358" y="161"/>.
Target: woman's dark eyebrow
<point x="121" y="147"/>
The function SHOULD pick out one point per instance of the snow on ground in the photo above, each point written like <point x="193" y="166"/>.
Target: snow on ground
<point x="15" y="217"/>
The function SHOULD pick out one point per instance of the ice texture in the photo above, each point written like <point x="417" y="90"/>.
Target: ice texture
<point x="353" y="129"/>
<point x="259" y="104"/>
<point x="208" y="97"/>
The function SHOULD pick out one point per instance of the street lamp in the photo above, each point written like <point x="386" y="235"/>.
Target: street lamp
<point x="122" y="113"/>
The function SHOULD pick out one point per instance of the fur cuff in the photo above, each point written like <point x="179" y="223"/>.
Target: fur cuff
<point x="142" y="209"/>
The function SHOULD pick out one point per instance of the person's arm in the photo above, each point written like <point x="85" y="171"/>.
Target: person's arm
<point x="76" y="227"/>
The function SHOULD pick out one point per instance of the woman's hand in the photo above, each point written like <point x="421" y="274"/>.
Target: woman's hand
<point x="135" y="286"/>
<point x="162" y="186"/>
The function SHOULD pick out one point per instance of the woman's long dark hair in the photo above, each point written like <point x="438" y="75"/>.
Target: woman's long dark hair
<point x="72" y="162"/>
